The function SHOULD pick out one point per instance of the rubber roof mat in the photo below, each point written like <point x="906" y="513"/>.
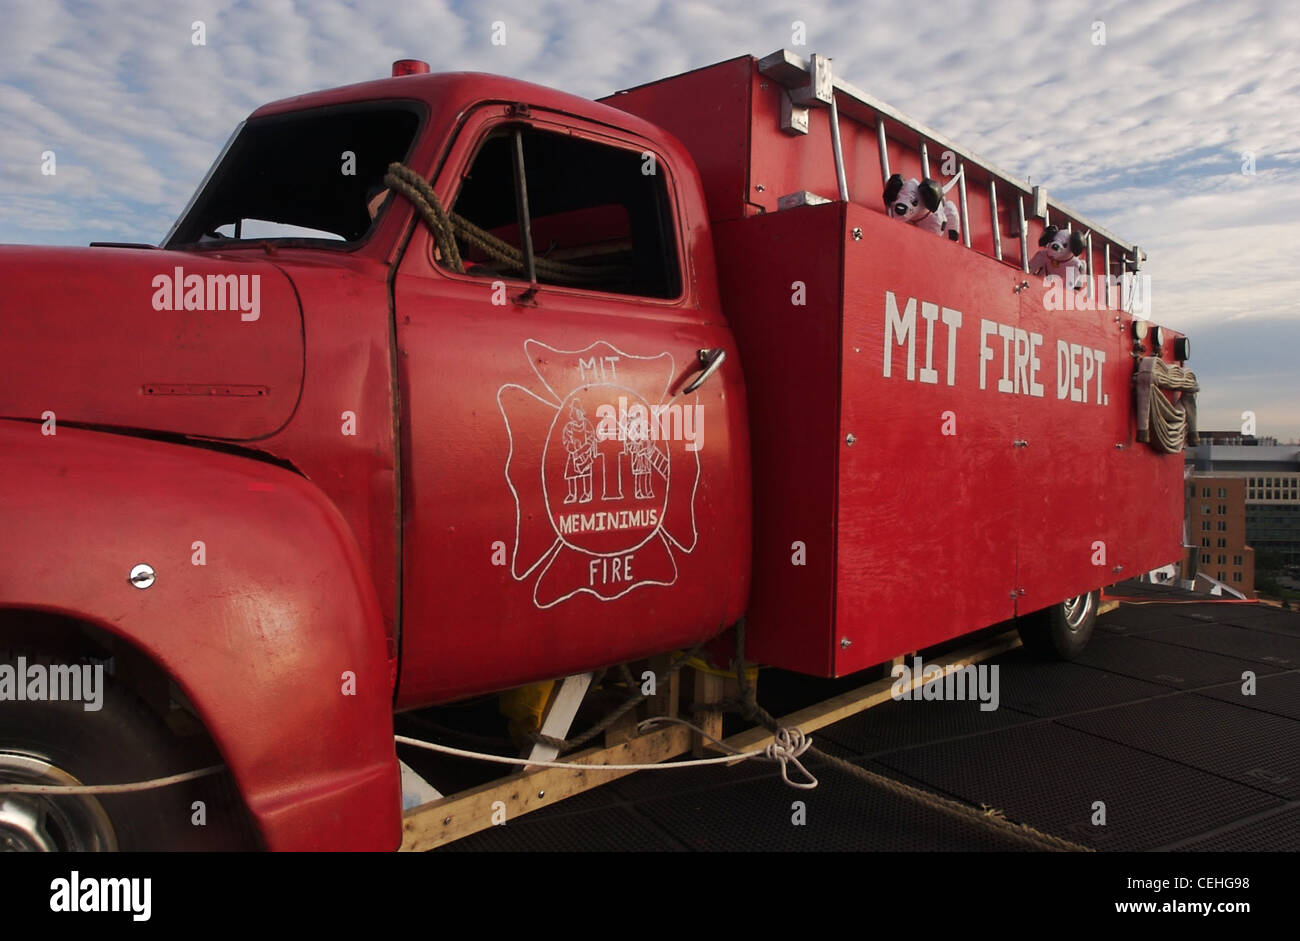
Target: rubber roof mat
<point x="1245" y="643"/>
<point x="1279" y="695"/>
<point x="1054" y="688"/>
<point x="610" y="829"/>
<point x="1275" y="832"/>
<point x="1244" y="745"/>
<point x="1144" y="658"/>
<point x="1226" y="610"/>
<point x="1281" y="622"/>
<point x="842" y="814"/>
<point x="910" y="723"/>
<point x="1049" y="776"/>
<point x="1139" y="619"/>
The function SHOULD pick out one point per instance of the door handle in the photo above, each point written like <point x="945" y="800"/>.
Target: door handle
<point x="710" y="360"/>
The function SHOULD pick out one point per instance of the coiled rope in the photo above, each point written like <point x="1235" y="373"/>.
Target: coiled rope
<point x="1173" y="421"/>
<point x="447" y="227"/>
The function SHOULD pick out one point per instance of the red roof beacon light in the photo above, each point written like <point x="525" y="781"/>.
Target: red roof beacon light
<point x="410" y="67"/>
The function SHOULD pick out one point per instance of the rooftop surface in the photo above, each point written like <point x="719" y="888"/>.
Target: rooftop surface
<point x="1152" y="721"/>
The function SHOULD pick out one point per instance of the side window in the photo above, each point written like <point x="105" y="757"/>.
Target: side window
<point x="598" y="217"/>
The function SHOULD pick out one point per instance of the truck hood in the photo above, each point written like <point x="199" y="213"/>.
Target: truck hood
<point x="201" y="344"/>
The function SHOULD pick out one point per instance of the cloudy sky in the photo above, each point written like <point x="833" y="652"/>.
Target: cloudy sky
<point x="1146" y="134"/>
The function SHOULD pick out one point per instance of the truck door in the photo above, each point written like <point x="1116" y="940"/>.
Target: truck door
<point x="567" y="503"/>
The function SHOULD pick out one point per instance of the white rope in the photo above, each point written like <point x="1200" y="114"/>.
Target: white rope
<point x="150" y="785"/>
<point x="788" y="745"/>
<point x="786" y="748"/>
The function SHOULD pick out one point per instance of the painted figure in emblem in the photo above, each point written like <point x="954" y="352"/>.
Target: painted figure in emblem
<point x="580" y="442"/>
<point x="642" y="470"/>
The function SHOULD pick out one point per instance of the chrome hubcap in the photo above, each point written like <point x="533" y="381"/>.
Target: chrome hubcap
<point x="1077" y="610"/>
<point x="45" y="823"/>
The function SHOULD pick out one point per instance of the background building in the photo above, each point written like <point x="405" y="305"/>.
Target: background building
<point x="1267" y="477"/>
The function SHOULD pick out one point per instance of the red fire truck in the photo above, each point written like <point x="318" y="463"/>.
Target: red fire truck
<point x="445" y="384"/>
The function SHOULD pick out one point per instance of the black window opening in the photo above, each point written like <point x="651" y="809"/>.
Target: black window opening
<point x="312" y="175"/>
<point x="597" y="217"/>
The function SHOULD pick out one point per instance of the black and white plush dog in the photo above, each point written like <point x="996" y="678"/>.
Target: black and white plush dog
<point x="1058" y="254"/>
<point x="922" y="204"/>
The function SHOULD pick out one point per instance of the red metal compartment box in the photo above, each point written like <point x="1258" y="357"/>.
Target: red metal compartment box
<point x="982" y="467"/>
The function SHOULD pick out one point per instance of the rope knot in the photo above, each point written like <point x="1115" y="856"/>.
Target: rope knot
<point x="786" y="748"/>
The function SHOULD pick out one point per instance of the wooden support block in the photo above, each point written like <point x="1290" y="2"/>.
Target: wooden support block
<point x="708" y="689"/>
<point x="624" y="730"/>
<point x="665" y="700"/>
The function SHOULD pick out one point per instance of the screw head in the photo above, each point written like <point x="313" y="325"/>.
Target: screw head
<point x="845" y="643"/>
<point x="541" y="793"/>
<point x="760" y="187"/>
<point x="142" y="576"/>
<point x="857" y="234"/>
<point x="850" y="440"/>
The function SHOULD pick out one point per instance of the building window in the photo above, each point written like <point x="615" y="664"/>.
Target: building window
<point x="1205" y="558"/>
<point x="1223" y="543"/>
<point x="1236" y="560"/>
<point x="1205" y="509"/>
<point x="1223" y="560"/>
<point x="1205" y="492"/>
<point x="1205" y="541"/>
<point x="1223" y="509"/>
<point x="1223" y="526"/>
<point x="1223" y="492"/>
<point x="1205" y="525"/>
<point x="1236" y="576"/>
<point x="1222" y="575"/>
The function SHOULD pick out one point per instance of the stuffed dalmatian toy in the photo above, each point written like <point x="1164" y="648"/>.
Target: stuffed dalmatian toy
<point x="921" y="204"/>
<point x="1058" y="254"/>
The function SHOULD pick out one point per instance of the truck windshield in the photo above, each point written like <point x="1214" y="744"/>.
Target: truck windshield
<point x="309" y="175"/>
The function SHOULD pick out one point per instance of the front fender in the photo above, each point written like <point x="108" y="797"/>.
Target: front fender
<point x="259" y="638"/>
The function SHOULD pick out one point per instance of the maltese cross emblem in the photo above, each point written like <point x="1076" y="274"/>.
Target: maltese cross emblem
<point x="603" y="466"/>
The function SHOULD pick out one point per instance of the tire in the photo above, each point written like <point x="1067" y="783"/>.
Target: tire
<point x="54" y="742"/>
<point x="1062" y="631"/>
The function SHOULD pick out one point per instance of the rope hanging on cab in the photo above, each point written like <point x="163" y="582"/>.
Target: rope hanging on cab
<point x="447" y="227"/>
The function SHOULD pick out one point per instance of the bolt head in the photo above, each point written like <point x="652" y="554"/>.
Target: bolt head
<point x="857" y="234"/>
<point x="851" y="440"/>
<point x="845" y="643"/>
<point x="142" y="576"/>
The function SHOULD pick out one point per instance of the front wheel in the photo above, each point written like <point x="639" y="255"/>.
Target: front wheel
<point x="1062" y="631"/>
<point x="60" y="743"/>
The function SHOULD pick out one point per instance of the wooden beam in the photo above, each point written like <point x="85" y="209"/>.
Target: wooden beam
<point x="459" y="815"/>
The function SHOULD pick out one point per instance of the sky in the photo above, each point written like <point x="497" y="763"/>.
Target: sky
<point x="1180" y="131"/>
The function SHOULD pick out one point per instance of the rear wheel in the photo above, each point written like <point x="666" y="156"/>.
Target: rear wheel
<point x="1062" y="631"/>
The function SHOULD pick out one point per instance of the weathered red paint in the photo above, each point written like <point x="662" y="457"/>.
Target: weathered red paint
<point x="258" y="638"/>
<point x="378" y="549"/>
